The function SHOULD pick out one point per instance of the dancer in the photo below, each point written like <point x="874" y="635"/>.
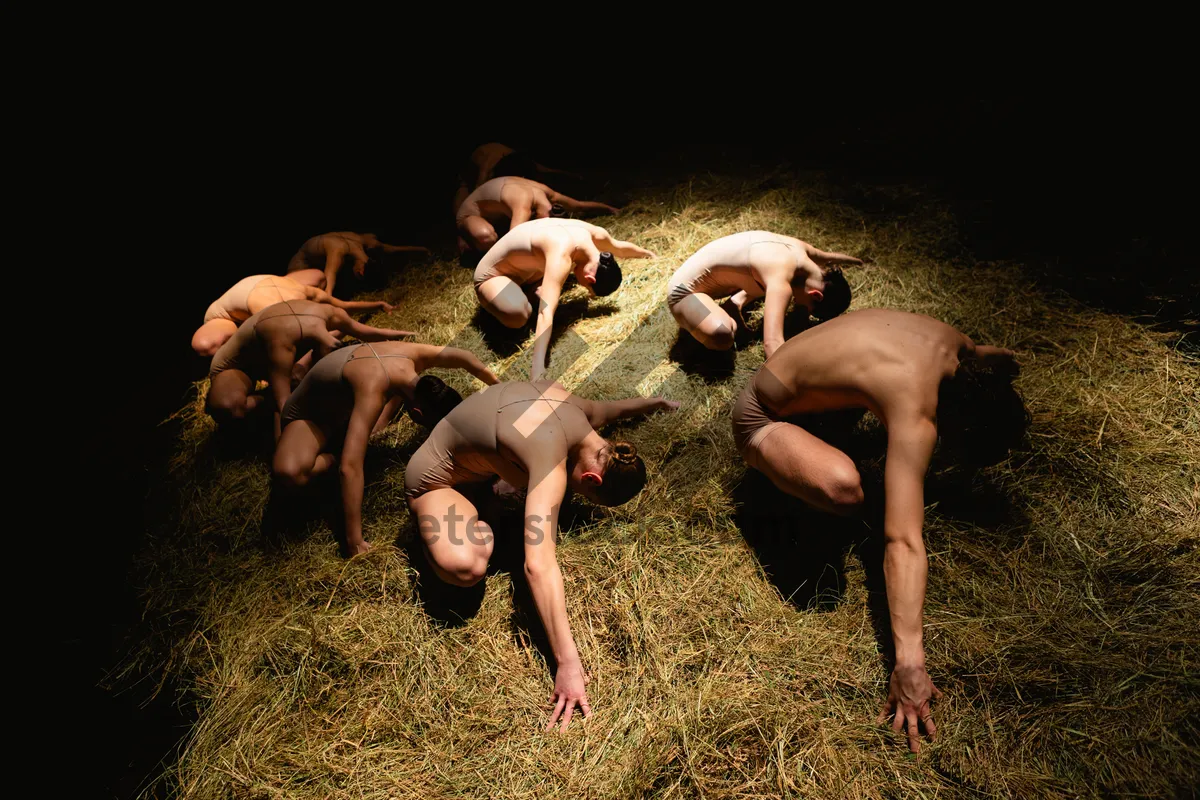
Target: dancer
<point x="251" y="295"/>
<point x="318" y="260"/>
<point x="265" y="347"/>
<point x="539" y="437"/>
<point x="352" y="393"/>
<point x="924" y="380"/>
<point x="512" y="201"/>
<point x="753" y="264"/>
<point x="539" y="257"/>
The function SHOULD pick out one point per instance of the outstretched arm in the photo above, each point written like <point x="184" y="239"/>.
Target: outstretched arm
<point x="551" y="171"/>
<point x="605" y="241"/>
<point x="571" y="204"/>
<point x="368" y="405"/>
<point x="318" y="296"/>
<point x="825" y="258"/>
<point x="546" y="585"/>
<point x="603" y="412"/>
<point x="341" y="321"/>
<point x="910" y="445"/>
<point x="558" y="267"/>
<point x="457" y="358"/>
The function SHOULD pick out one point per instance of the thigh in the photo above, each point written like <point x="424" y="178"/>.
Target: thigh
<point x="299" y="445"/>
<point x="229" y="387"/>
<point x="700" y="315"/>
<point x="503" y="297"/>
<point x="450" y="528"/>
<point x="800" y="464"/>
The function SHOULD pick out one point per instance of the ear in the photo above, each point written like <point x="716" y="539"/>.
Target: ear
<point x="594" y="478"/>
<point x="815" y="295"/>
<point x="590" y="280"/>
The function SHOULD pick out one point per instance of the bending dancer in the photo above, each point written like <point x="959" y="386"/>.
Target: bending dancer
<point x="495" y="160"/>
<point x="352" y="393"/>
<point x="318" y="260"/>
<point x="265" y="348"/>
<point x="251" y="295"/>
<point x="923" y="379"/>
<point x="540" y="256"/>
<point x="754" y="264"/>
<point x="536" y="436"/>
<point x="512" y="200"/>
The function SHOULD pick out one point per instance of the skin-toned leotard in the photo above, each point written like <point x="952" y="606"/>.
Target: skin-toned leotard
<point x="464" y="446"/>
<point x="324" y="396"/>
<point x="234" y="305"/>
<point x="246" y="350"/>
<point x="726" y="266"/>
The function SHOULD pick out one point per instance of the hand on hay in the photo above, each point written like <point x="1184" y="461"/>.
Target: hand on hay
<point x="909" y="692"/>
<point x="568" y="691"/>
<point x="357" y="548"/>
<point x="663" y="404"/>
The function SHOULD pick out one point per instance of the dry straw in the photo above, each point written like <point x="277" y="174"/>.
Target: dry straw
<point x="1061" y="620"/>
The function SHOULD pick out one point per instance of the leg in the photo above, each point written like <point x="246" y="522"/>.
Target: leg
<point x="300" y="455"/>
<point x="504" y="299"/>
<point x="459" y="544"/>
<point x="231" y="396"/>
<point x="309" y="277"/>
<point x="478" y="232"/>
<point x="699" y="315"/>
<point x="806" y="467"/>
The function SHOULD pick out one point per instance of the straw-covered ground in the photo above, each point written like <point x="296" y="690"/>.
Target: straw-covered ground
<point x="1062" y="617"/>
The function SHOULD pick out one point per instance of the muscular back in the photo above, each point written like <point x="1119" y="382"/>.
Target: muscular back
<point x="743" y="262"/>
<point x="875" y="359"/>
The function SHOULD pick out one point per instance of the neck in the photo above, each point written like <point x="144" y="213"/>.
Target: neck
<point x="587" y="450"/>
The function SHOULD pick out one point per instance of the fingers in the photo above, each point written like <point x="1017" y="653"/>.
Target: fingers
<point x="566" y="720"/>
<point x="937" y="693"/>
<point x="927" y="721"/>
<point x="898" y="720"/>
<point x="914" y="735"/>
<point x="558" y="708"/>
<point x="587" y="709"/>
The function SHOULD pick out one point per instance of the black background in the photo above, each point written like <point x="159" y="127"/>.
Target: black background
<point x="1061" y="175"/>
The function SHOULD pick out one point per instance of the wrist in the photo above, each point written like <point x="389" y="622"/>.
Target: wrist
<point x="910" y="656"/>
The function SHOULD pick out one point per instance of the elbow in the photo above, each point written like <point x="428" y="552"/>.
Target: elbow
<point x="903" y="541"/>
<point x="537" y="571"/>
<point x="350" y="472"/>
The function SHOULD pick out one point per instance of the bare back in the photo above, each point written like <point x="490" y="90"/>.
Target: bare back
<point x="876" y="359"/>
<point x="496" y="199"/>
<point x="741" y="262"/>
<point x="521" y="253"/>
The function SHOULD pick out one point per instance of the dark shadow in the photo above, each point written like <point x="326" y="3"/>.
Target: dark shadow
<point x="290" y="513"/>
<point x="970" y="496"/>
<point x="447" y="605"/>
<point x="712" y="366"/>
<point x="469" y="259"/>
<point x="252" y="437"/>
<point x="501" y="340"/>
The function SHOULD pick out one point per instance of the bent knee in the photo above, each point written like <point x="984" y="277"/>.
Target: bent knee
<point x="463" y="572"/>
<point x="843" y="489"/>
<point x="291" y="472"/>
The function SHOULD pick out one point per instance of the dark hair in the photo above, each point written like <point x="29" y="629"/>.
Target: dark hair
<point x="980" y="416"/>
<point x="608" y="276"/>
<point x="835" y="297"/>
<point x="432" y="401"/>
<point x="516" y="164"/>
<point x="624" y="475"/>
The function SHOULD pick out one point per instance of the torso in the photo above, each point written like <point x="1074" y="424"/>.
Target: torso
<point x="492" y="432"/>
<point x="495" y="199"/>
<point x="520" y="253"/>
<point x="326" y="394"/>
<point x="869" y="359"/>
<point x="742" y="261"/>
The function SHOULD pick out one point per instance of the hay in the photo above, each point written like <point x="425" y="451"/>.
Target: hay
<point x="1061" y="618"/>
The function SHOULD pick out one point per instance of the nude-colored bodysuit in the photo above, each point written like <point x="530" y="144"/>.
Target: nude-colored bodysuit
<point x="464" y="447"/>
<point x="246" y="350"/>
<point x="496" y="197"/>
<point x="311" y="254"/>
<point x="234" y="305"/>
<point x="727" y="265"/>
<point x="324" y="396"/>
<point x="516" y="256"/>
